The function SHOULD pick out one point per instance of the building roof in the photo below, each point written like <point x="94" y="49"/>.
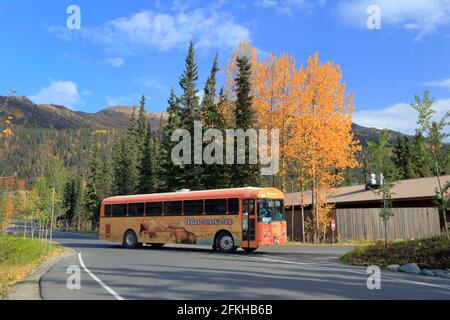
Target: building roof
<point x="420" y="188"/>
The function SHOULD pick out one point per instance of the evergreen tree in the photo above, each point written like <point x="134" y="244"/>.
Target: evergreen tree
<point x="157" y="152"/>
<point x="244" y="174"/>
<point x="142" y="124"/>
<point x="105" y="188"/>
<point x="211" y="117"/>
<point x="213" y="175"/>
<point x="133" y="125"/>
<point x="70" y="199"/>
<point x="91" y="199"/>
<point x="125" y="164"/>
<point x="403" y="158"/>
<point x="127" y="159"/>
<point x="189" y="101"/>
<point x="170" y="172"/>
<point x="147" y="174"/>
<point x="190" y="174"/>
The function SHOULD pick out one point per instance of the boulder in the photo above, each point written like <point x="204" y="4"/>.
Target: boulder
<point x="442" y="273"/>
<point x="427" y="272"/>
<point x="393" y="267"/>
<point x="410" y="268"/>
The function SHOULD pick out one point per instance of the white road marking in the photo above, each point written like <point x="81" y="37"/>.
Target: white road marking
<point x="317" y="265"/>
<point x="93" y="276"/>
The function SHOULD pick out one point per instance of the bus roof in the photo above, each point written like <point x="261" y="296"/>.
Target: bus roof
<point x="249" y="192"/>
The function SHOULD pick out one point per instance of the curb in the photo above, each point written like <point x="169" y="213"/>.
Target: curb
<point x="29" y="288"/>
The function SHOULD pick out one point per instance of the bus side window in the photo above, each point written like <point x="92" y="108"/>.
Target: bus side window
<point x="108" y="210"/>
<point x="136" y="209"/>
<point x="216" y="206"/>
<point x="119" y="210"/>
<point x="193" y="207"/>
<point x="173" y="208"/>
<point x="233" y="206"/>
<point x="154" y="208"/>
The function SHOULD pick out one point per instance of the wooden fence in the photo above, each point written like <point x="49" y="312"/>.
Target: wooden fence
<point x="365" y="224"/>
<point x="355" y="224"/>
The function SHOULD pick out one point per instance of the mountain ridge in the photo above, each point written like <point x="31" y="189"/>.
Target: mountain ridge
<point x="28" y="114"/>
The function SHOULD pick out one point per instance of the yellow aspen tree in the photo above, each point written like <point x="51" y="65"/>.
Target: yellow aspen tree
<point x="322" y="141"/>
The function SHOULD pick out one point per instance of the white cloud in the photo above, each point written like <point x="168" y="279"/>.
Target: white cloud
<point x="60" y="92"/>
<point x="116" y="62"/>
<point x="399" y="117"/>
<point x="121" y="101"/>
<point x="162" y="31"/>
<point x="288" y="7"/>
<point x="439" y="83"/>
<point x="422" y="16"/>
<point x="152" y="83"/>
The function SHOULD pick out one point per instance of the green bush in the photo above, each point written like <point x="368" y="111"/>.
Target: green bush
<point x="431" y="253"/>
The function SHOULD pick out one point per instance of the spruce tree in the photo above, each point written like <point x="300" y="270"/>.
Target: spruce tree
<point x="211" y="117"/>
<point x="70" y="199"/>
<point x="157" y="152"/>
<point x="403" y="158"/>
<point x="189" y="101"/>
<point x="142" y="124"/>
<point x="171" y="173"/>
<point x="126" y="159"/>
<point x="91" y="199"/>
<point x="244" y="174"/>
<point x="213" y="175"/>
<point x="133" y="124"/>
<point x="190" y="175"/>
<point x="126" y="170"/>
<point x="105" y="188"/>
<point x="147" y="175"/>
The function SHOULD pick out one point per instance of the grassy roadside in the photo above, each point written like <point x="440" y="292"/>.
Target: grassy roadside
<point x="428" y="253"/>
<point x="354" y="244"/>
<point x="18" y="257"/>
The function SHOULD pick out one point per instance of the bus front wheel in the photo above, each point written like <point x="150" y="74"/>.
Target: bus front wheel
<point x="225" y="242"/>
<point x="130" y="240"/>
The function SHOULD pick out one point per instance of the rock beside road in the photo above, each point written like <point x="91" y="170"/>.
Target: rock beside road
<point x="393" y="267"/>
<point x="410" y="268"/>
<point x="427" y="272"/>
<point x="414" y="269"/>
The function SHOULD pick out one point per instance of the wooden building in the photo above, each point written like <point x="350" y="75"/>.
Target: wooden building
<point x="356" y="212"/>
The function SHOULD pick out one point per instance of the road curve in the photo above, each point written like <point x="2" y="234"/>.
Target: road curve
<point x="281" y="272"/>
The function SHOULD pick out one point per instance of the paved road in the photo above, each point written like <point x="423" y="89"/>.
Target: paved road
<point x="281" y="272"/>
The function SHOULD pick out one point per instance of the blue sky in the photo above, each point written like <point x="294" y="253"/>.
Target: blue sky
<point x="128" y="48"/>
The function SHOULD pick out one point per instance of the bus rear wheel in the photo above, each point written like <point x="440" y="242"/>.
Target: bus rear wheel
<point x="225" y="242"/>
<point x="130" y="240"/>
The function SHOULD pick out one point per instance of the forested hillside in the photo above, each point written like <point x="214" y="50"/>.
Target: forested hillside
<point x="43" y="130"/>
<point x="24" y="154"/>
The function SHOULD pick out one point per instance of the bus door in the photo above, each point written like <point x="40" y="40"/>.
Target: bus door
<point x="248" y="224"/>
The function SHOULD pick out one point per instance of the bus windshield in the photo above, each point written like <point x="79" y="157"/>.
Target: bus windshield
<point x="270" y="210"/>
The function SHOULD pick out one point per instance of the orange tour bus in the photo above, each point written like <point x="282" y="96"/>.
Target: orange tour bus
<point x="226" y="219"/>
